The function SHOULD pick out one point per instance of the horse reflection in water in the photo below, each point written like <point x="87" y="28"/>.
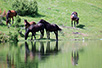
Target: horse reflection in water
<point x="41" y="53"/>
<point x="10" y="62"/>
<point x="28" y="52"/>
<point x="49" y="51"/>
<point x="75" y="57"/>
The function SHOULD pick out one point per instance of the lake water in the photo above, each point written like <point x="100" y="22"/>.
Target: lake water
<point x="52" y="54"/>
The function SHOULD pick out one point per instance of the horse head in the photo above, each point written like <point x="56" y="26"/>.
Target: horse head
<point x="26" y="23"/>
<point x="15" y="13"/>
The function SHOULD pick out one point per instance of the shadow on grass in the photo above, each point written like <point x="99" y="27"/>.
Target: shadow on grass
<point x="2" y="24"/>
<point x="37" y="15"/>
<point x="81" y="26"/>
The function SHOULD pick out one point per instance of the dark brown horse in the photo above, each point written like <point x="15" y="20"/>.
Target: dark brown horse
<point x="74" y="17"/>
<point x="50" y="28"/>
<point x="35" y="28"/>
<point x="27" y="24"/>
<point x="10" y="14"/>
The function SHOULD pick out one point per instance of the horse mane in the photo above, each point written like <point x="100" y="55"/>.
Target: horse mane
<point x="43" y="21"/>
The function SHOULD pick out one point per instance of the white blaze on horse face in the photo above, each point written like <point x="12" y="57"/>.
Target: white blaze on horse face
<point x="73" y="15"/>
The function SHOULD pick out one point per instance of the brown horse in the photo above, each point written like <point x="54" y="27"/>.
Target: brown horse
<point x="27" y="24"/>
<point x="50" y="28"/>
<point x="0" y="11"/>
<point x="2" y="15"/>
<point x="74" y="17"/>
<point x="10" y="14"/>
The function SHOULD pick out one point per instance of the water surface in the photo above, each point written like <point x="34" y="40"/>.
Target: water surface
<point x="52" y="54"/>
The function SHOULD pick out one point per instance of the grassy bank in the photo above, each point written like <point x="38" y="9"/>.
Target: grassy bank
<point x="58" y="11"/>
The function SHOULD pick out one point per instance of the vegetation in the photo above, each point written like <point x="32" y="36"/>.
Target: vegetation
<point x="58" y="12"/>
<point x="25" y="7"/>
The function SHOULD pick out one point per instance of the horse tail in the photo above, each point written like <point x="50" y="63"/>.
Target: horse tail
<point x="58" y="28"/>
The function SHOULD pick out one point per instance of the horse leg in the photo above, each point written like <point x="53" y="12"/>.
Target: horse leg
<point x="12" y="20"/>
<point x="72" y="23"/>
<point x="42" y="33"/>
<point x="26" y="34"/>
<point x="56" y="33"/>
<point x="48" y="34"/>
<point x="9" y="24"/>
<point x="33" y="34"/>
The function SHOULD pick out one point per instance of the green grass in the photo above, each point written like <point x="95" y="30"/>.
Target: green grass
<point x="59" y="11"/>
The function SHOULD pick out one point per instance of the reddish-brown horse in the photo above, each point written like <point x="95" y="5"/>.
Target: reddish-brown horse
<point x="27" y="24"/>
<point x="74" y="17"/>
<point x="2" y="14"/>
<point x="10" y="14"/>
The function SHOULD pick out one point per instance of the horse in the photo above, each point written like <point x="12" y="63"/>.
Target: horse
<point x="33" y="29"/>
<point x="2" y="16"/>
<point x="0" y="11"/>
<point x="74" y="17"/>
<point x="10" y="14"/>
<point x="50" y="28"/>
<point x="27" y="24"/>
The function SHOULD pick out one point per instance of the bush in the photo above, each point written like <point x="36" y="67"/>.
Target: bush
<point x="13" y="37"/>
<point x="3" y="37"/>
<point x="25" y="7"/>
<point x="17" y="21"/>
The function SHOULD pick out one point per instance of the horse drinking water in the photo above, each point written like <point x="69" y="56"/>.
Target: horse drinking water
<point x="74" y="17"/>
<point x="10" y="14"/>
<point x="33" y="29"/>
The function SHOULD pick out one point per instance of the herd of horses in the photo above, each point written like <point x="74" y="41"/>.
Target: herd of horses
<point x="40" y="26"/>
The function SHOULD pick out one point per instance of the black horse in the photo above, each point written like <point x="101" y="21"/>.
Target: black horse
<point x="35" y="28"/>
<point x="50" y="28"/>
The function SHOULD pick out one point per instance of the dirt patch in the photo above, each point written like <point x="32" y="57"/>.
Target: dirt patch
<point x="100" y="31"/>
<point x="83" y="34"/>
